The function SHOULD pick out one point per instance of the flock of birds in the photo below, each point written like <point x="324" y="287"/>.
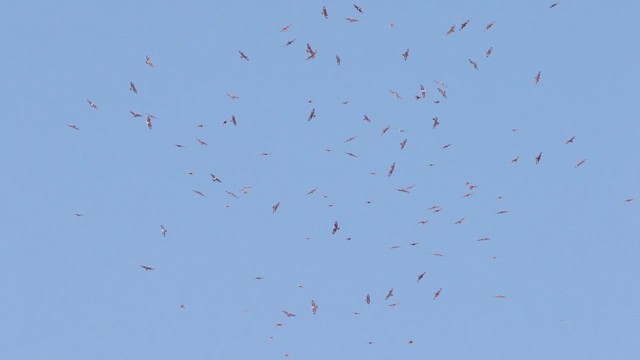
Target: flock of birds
<point x="311" y="54"/>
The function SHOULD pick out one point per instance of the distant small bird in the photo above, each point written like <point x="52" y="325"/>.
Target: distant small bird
<point x="289" y="314"/>
<point x="437" y="293"/>
<point x="314" y="307"/>
<point x="199" y="192"/>
<point x="215" y="178"/>
<point x="232" y="96"/>
<point x="570" y="141"/>
<point x="489" y="51"/>
<point x="436" y="122"/>
<point x="464" y="24"/>
<point x="336" y="227"/>
<point x="537" y="77"/>
<point x="338" y="60"/>
<point x="366" y="118"/>
<point x="420" y="276"/>
<point x="202" y="142"/>
<point x="459" y="221"/>
<point x="73" y="126"/>
<point x="243" y="55"/>
<point x="275" y="207"/>
<point x="148" y="61"/>
<point x="502" y="212"/>
<point x="146" y="268"/>
<point x="489" y="25"/>
<point x="538" y="157"/>
<point x="352" y="20"/>
<point x="500" y="297"/>
<point x="286" y="28"/>
<point x="580" y="162"/>
<point x="442" y="92"/>
<point x="289" y="42"/>
<point x="391" y="169"/>
<point x="149" y="124"/>
<point x="163" y="231"/>
<point x="553" y="5"/>
<point x="78" y="214"/>
<point x="405" y="54"/>
<point x="446" y="146"/>
<point x="92" y="104"/>
<point x="395" y="93"/>
<point x="385" y="129"/>
<point x="389" y="294"/>
<point x="368" y="299"/>
<point x="132" y="87"/>
<point x="358" y="8"/>
<point x="451" y="30"/>
<point x="403" y="144"/>
<point x="473" y="63"/>
<point x="324" y="12"/>
<point x="135" y="114"/>
<point x="515" y="159"/>
<point x="312" y="115"/>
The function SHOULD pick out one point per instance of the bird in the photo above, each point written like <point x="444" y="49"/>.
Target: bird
<point x="502" y="212"/>
<point x="163" y="231"/>
<point x="436" y="122"/>
<point x="286" y="28"/>
<point x="324" y="12"/>
<point x="366" y="118"/>
<point x="570" y="141"/>
<point x="336" y="227"/>
<point x="537" y="77"/>
<point x="132" y="87"/>
<point x="385" y="129"/>
<point x="367" y="299"/>
<point x="146" y="268"/>
<point x="464" y="24"/>
<point x="215" y="178"/>
<point x="442" y="92"/>
<point x="314" y="307"/>
<point x="73" y="126"/>
<point x="403" y="144"/>
<point x="538" y="157"/>
<point x="437" y="293"/>
<point x="289" y="42"/>
<point x="148" y="61"/>
<point x="580" y="162"/>
<point x="92" y="104"/>
<point x="312" y="115"/>
<point x="389" y="294"/>
<point x="243" y="55"/>
<point x="451" y="30"/>
<point x="352" y="20"/>
<point x="289" y="314"/>
<point x="202" y="142"/>
<point x="391" y="169"/>
<point x="78" y="214"/>
<point x="351" y="139"/>
<point x="232" y="96"/>
<point x="500" y="297"/>
<point x="489" y="25"/>
<point x="515" y="159"/>
<point x="358" y="8"/>
<point x="135" y="114"/>
<point x="446" y="146"/>
<point x="420" y="276"/>
<point x="473" y="63"/>
<point x="459" y="221"/>
<point x="149" y="124"/>
<point x="275" y="207"/>
<point x="405" y="54"/>
<point x="489" y="51"/>
<point x="423" y="91"/>
<point x="312" y="191"/>
<point x="553" y="5"/>
<point x="199" y="192"/>
<point x="338" y="60"/>
<point x="232" y="194"/>
<point x="395" y="93"/>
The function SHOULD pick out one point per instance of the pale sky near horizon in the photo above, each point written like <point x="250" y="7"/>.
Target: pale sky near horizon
<point x="553" y="276"/>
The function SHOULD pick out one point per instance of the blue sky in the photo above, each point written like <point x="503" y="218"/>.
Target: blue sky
<point x="564" y="254"/>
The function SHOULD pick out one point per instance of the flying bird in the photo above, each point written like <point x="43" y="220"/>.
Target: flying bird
<point x="473" y="63"/>
<point x="232" y="194"/>
<point x="515" y="159"/>
<point x="202" y="142"/>
<point x="148" y="61"/>
<point x="232" y="96"/>
<point x="459" y="221"/>
<point x="385" y="129"/>
<point x="324" y="12"/>
<point x="366" y="118"/>
<point x="368" y="299"/>
<point x="391" y="169"/>
<point x="502" y="212"/>
<point x="275" y="207"/>
<point x="537" y="77"/>
<point x="405" y="54"/>
<point x="464" y="24"/>
<point x="580" y="162"/>
<point x="489" y="51"/>
<point x="436" y="122"/>
<point x="351" y="139"/>
<point x="199" y="192"/>
<point x="538" y="157"/>
<point x="423" y="91"/>
<point x="358" y="8"/>
<point x="570" y="141"/>
<point x="314" y="307"/>
<point x="132" y="87"/>
<point x="215" y="178"/>
<point x="352" y="20"/>
<point x="336" y="227"/>
<point x="289" y="42"/>
<point x="446" y="146"/>
<point x="135" y="114"/>
<point x="437" y="293"/>
<point x="389" y="294"/>
<point x="395" y="93"/>
<point x="286" y="28"/>
<point x="442" y="92"/>
<point x="500" y="297"/>
<point x="73" y="126"/>
<point x="149" y="124"/>
<point x="338" y="60"/>
<point x="489" y="25"/>
<point x="243" y="55"/>
<point x="312" y="191"/>
<point x="92" y="104"/>
<point x="146" y="268"/>
<point x="553" y="5"/>
<point x="312" y="114"/>
<point x="163" y="231"/>
<point x="420" y="277"/>
<point x="403" y="144"/>
<point x="289" y="314"/>
<point x="451" y="30"/>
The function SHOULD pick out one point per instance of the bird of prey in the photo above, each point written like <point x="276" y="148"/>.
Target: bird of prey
<point x="423" y="91"/>
<point x="580" y="162"/>
<point x="405" y="54"/>
<point x="459" y="221"/>
<point x="312" y="114"/>
<point x="351" y="139"/>
<point x="420" y="277"/>
<point x="358" y="8"/>
<point x="135" y="114"/>
<point x="515" y="159"/>
<point x="352" y="20"/>
<point x="442" y="92"/>
<point x="473" y="63"/>
<point x="286" y="28"/>
<point x="385" y="129"/>
<point x="570" y="141"/>
<point x="232" y="194"/>
<point x="146" y="268"/>
<point x="73" y="126"/>
<point x="464" y="24"/>
<point x="289" y="42"/>
<point x="538" y="157"/>
<point x="395" y="93"/>
<point x="489" y="25"/>
<point x="389" y="294"/>
<point x="391" y="169"/>
<point x="366" y="118"/>
<point x="78" y="214"/>
<point x="92" y="104"/>
<point x="446" y="146"/>
<point x="289" y="314"/>
<point x="368" y="299"/>
<point x="275" y="207"/>
<point x="132" y="87"/>
<point x="233" y="120"/>
<point x="437" y="293"/>
<point x="312" y="191"/>
<point x="489" y="51"/>
<point x="338" y="60"/>
<point x="215" y="178"/>
<point x="232" y="96"/>
<point x="199" y="193"/>
<point x="500" y="297"/>
<point x="148" y="61"/>
<point x="537" y="77"/>
<point x="243" y="55"/>
<point x="403" y="144"/>
<point x="202" y="142"/>
<point x="149" y="124"/>
<point x="451" y="30"/>
<point x="436" y="122"/>
<point x="314" y="307"/>
<point x="553" y="5"/>
<point x="324" y="12"/>
<point x="336" y="227"/>
<point x="484" y="239"/>
<point x="163" y="231"/>
<point x="502" y="212"/>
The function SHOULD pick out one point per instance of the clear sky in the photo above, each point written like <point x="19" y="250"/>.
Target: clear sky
<point x="555" y="275"/>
